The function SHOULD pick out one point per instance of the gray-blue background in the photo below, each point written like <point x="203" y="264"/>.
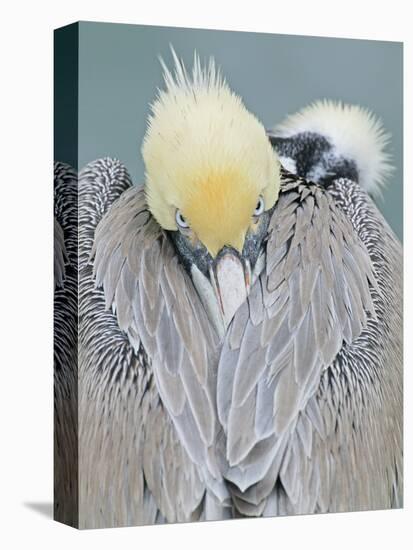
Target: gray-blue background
<point x="119" y="72"/>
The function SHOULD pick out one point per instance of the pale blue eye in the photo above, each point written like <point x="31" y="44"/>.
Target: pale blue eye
<point x="180" y="220"/>
<point x="259" y="209"/>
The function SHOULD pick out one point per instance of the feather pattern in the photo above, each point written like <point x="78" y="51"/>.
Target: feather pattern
<point x="185" y="374"/>
<point x="288" y="348"/>
<point x="278" y="416"/>
<point x="328" y="140"/>
<point x="65" y="344"/>
<point x="134" y="466"/>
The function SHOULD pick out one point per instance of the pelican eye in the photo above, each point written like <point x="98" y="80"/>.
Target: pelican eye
<point x="259" y="209"/>
<point x="181" y="221"/>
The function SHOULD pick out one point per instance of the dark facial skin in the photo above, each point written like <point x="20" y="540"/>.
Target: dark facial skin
<point x="192" y="251"/>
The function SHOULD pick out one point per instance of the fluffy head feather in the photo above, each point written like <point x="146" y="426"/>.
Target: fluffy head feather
<point x="354" y="132"/>
<point x="207" y="156"/>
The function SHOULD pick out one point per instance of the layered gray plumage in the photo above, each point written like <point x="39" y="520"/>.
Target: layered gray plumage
<point x="133" y="468"/>
<point x="65" y="344"/>
<point x="296" y="409"/>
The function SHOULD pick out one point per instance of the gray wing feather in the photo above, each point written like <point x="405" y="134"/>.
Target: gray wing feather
<point x="134" y="468"/>
<point x="293" y="325"/>
<point x="169" y="318"/>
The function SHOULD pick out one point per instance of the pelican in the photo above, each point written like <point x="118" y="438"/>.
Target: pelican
<point x="240" y="316"/>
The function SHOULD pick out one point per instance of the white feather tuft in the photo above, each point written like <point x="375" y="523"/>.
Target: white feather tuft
<point x="355" y="133"/>
<point x="202" y="78"/>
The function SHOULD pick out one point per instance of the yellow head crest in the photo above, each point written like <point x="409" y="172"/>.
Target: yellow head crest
<point x="206" y="155"/>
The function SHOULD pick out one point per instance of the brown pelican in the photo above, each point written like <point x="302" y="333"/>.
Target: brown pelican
<point x="240" y="321"/>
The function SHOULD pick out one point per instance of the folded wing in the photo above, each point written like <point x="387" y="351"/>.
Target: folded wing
<point x="157" y="307"/>
<point x="312" y="299"/>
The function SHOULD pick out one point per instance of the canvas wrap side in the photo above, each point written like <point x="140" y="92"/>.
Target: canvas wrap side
<point x="66" y="479"/>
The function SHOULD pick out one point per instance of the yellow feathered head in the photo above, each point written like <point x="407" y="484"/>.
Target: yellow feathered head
<point x="207" y="157"/>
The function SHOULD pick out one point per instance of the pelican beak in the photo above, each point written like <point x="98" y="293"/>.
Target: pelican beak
<point x="230" y="276"/>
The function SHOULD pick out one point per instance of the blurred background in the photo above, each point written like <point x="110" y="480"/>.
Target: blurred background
<point x="276" y="75"/>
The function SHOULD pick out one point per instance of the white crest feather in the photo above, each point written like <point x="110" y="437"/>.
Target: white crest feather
<point x="355" y="133"/>
<point x="202" y="78"/>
